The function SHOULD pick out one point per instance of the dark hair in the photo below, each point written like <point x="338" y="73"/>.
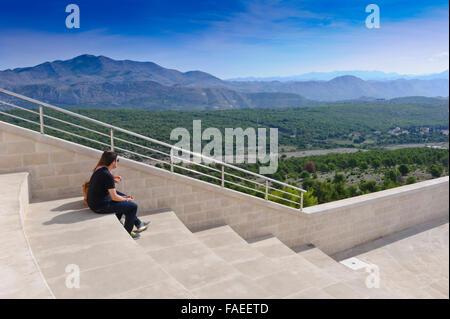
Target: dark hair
<point x="107" y="158"/>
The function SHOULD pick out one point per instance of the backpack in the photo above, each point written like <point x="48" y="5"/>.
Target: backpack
<point x="85" y="188"/>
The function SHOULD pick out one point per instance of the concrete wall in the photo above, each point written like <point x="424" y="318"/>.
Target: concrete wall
<point x="58" y="168"/>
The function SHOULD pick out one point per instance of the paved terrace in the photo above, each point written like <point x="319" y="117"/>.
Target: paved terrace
<point x="413" y="262"/>
<point x="170" y="261"/>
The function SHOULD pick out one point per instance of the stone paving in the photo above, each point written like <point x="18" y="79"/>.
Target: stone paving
<point x="416" y="266"/>
<point x="19" y="274"/>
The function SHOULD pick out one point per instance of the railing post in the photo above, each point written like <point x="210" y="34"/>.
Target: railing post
<point x="267" y="189"/>
<point x="41" y="118"/>
<point x="301" y="201"/>
<point x="223" y="176"/>
<point x="171" y="160"/>
<point x="112" y="139"/>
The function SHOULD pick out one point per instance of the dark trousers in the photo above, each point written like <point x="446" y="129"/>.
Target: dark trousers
<point x="137" y="221"/>
<point x="129" y="209"/>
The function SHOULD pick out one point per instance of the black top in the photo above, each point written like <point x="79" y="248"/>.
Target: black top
<point x="98" y="195"/>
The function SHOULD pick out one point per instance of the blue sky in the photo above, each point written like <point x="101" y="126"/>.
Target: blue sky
<point x="233" y="38"/>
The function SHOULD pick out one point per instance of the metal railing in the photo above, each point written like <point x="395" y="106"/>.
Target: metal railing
<point x="262" y="185"/>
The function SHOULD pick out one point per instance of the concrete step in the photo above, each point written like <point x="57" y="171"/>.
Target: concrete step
<point x="20" y="275"/>
<point x="192" y="263"/>
<point x="282" y="271"/>
<point x="329" y="279"/>
<point x="63" y="233"/>
<point x="317" y="257"/>
<point x="250" y="262"/>
<point x="327" y="264"/>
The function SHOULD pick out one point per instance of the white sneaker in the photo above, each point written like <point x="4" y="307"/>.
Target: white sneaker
<point x="143" y="226"/>
<point x="135" y="235"/>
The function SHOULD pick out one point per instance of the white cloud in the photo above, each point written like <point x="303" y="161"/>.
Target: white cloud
<point x="439" y="56"/>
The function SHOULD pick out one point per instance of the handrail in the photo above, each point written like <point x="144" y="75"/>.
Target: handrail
<point x="171" y="147"/>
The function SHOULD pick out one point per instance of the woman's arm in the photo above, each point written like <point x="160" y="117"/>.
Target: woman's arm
<point x="116" y="197"/>
<point x="117" y="179"/>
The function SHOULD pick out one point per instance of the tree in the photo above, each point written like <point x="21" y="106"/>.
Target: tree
<point x="339" y="178"/>
<point x="389" y="184"/>
<point x="304" y="174"/>
<point x="352" y="190"/>
<point x="293" y="195"/>
<point x="392" y="175"/>
<point x="307" y="183"/>
<point x="445" y="161"/>
<point x="404" y="169"/>
<point x="310" y="167"/>
<point x="388" y="162"/>
<point x="410" y="180"/>
<point x="309" y="199"/>
<point x="436" y="170"/>
<point x="368" y="187"/>
<point x="352" y="162"/>
<point x="359" y="140"/>
<point x="363" y="165"/>
<point x="375" y="163"/>
<point x="323" y="192"/>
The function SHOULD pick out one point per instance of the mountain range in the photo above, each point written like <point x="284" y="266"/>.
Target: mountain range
<point x="99" y="81"/>
<point x="364" y="75"/>
<point x="350" y="87"/>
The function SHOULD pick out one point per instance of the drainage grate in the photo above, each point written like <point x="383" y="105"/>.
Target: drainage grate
<point x="354" y="263"/>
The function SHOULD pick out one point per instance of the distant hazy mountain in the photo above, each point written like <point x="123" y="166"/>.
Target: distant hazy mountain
<point x="419" y="99"/>
<point x="398" y="100"/>
<point x="364" y="75"/>
<point x="349" y="87"/>
<point x="152" y="95"/>
<point x="99" y="81"/>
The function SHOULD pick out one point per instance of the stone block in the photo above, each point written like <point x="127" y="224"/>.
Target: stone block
<point x="78" y="179"/>
<point x="8" y="137"/>
<point x="155" y="182"/>
<point x="63" y="157"/>
<point x="44" y="170"/>
<point x="22" y="147"/>
<point x="185" y="199"/>
<point x="161" y="191"/>
<point x="165" y="202"/>
<point x="43" y="147"/>
<point x="192" y="208"/>
<point x="11" y="161"/>
<point x="196" y="217"/>
<point x="56" y="181"/>
<point x="70" y="191"/>
<point x="35" y="159"/>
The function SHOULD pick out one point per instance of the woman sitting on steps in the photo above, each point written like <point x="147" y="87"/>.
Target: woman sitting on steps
<point x="103" y="198"/>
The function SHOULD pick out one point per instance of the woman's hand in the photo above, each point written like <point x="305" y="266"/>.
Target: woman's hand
<point x="117" y="179"/>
